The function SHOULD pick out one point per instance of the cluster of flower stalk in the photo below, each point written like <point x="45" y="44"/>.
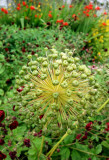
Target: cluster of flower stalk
<point x="55" y="94"/>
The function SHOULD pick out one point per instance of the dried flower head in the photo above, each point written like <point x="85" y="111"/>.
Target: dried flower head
<point x="57" y="87"/>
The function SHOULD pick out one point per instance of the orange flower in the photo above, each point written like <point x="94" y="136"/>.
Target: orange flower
<point x="59" y="21"/>
<point x="24" y="3"/>
<point x="50" y="15"/>
<point x="26" y="6"/>
<point x="39" y="16"/>
<point x="63" y="6"/>
<point x="18" y="8"/>
<point x="70" y="6"/>
<point x="50" y="11"/>
<point x="74" y="15"/>
<point x="32" y="8"/>
<point x="97" y="8"/>
<point x="65" y="24"/>
<point x="95" y="15"/>
<point x="35" y="16"/>
<point x="104" y="24"/>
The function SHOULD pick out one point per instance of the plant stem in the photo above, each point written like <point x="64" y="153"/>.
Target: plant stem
<point x="56" y="145"/>
<point x="99" y="109"/>
<point x="41" y="147"/>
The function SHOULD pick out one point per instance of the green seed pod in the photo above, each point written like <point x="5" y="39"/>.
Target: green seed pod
<point x="29" y="56"/>
<point x="39" y="92"/>
<point x="55" y="65"/>
<point x="65" y="63"/>
<point x="75" y="83"/>
<point x="22" y="72"/>
<point x="43" y="76"/>
<point x="45" y="64"/>
<point x="64" y="84"/>
<point x="83" y="76"/>
<point x="69" y="92"/>
<point x="75" y="74"/>
<point x="55" y="82"/>
<point x="55" y="95"/>
<point x="70" y="101"/>
<point x="35" y="73"/>
<point x="33" y="67"/>
<point x="57" y="72"/>
<point x="27" y="77"/>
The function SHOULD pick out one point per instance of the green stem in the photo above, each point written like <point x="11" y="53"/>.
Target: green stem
<point x="41" y="147"/>
<point x="99" y="109"/>
<point x="56" y="145"/>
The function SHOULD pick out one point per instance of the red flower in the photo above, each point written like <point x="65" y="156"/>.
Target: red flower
<point x="88" y="126"/>
<point x="6" y="49"/>
<point x="97" y="8"/>
<point x="23" y="49"/>
<point x="50" y="11"/>
<point x="107" y="124"/>
<point x="70" y="6"/>
<point x="65" y="24"/>
<point x="18" y="5"/>
<point x="2" y="115"/>
<point x="2" y="156"/>
<point x="2" y="9"/>
<point x="19" y="89"/>
<point x="32" y="8"/>
<point x="6" y="11"/>
<point x="104" y="24"/>
<point x="84" y="12"/>
<point x="63" y="6"/>
<point x="12" y="155"/>
<point x="105" y="13"/>
<point x="1" y="142"/>
<point x="84" y="137"/>
<point x="87" y="14"/>
<point x="78" y="136"/>
<point x="27" y="142"/>
<point x="18" y="8"/>
<point x="26" y="6"/>
<point x="13" y="125"/>
<point x="50" y="15"/>
<point x="35" y="16"/>
<point x="24" y="3"/>
<point x="41" y="116"/>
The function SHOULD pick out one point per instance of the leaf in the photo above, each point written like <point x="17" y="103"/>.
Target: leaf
<point x="98" y="149"/>
<point x="2" y="68"/>
<point x="22" y="22"/>
<point x="69" y="139"/>
<point x="75" y="155"/>
<point x="1" y="92"/>
<point x="65" y="153"/>
<point x="37" y="143"/>
<point x="32" y="151"/>
<point x="2" y="57"/>
<point x="105" y="144"/>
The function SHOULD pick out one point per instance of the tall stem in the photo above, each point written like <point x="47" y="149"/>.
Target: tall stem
<point x="99" y="109"/>
<point x="41" y="147"/>
<point x="56" y="145"/>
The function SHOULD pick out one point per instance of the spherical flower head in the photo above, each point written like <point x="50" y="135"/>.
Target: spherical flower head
<point x="24" y="3"/>
<point x="2" y="156"/>
<point x="57" y="93"/>
<point x="27" y="142"/>
<point x="13" y="125"/>
<point x="12" y="155"/>
<point x="50" y="15"/>
<point x="18" y="8"/>
<point x="2" y="115"/>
